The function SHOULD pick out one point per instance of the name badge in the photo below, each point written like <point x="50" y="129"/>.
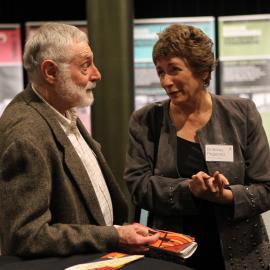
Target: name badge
<point x="217" y="152"/>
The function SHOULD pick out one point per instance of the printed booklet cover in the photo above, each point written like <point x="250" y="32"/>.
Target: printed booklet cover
<point x="110" y="261"/>
<point x="174" y="244"/>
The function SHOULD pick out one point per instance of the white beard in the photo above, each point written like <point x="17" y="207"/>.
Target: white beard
<point x="74" y="94"/>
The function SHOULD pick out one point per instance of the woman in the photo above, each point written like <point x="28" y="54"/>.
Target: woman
<point x="200" y="163"/>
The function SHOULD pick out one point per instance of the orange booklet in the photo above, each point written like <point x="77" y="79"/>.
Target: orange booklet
<point x="174" y="243"/>
<point x="111" y="261"/>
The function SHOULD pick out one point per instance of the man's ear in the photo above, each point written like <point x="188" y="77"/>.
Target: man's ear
<point x="49" y="71"/>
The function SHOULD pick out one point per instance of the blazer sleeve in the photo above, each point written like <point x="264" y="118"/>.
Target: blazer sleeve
<point x="252" y="198"/>
<point x="26" y="220"/>
<point x="158" y="191"/>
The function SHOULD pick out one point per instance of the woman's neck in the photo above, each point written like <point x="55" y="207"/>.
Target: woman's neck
<point x="188" y="118"/>
<point x="200" y="104"/>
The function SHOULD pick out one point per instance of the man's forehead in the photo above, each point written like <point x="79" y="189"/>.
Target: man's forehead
<point x="82" y="50"/>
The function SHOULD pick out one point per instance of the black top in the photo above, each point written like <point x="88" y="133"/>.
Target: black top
<point x="202" y="226"/>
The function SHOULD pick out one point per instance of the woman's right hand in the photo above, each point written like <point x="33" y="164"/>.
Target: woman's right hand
<point x="211" y="188"/>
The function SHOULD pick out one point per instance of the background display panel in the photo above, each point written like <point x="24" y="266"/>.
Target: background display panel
<point x="244" y="52"/>
<point x="11" y="71"/>
<point x="147" y="86"/>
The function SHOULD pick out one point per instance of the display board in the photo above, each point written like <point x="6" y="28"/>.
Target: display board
<point x="85" y="112"/>
<point x="244" y="52"/>
<point x="147" y="86"/>
<point x="11" y="71"/>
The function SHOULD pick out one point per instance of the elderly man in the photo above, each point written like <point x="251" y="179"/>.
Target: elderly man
<point x="57" y="193"/>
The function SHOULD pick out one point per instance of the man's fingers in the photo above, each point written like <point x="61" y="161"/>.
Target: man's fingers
<point x="148" y="239"/>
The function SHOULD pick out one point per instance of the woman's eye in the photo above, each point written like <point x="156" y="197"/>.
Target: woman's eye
<point x="174" y="70"/>
<point x="160" y="73"/>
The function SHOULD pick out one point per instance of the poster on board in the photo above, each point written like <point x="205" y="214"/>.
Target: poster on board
<point x="244" y="49"/>
<point x="11" y="70"/>
<point x="85" y="112"/>
<point x="244" y="52"/>
<point x="147" y="86"/>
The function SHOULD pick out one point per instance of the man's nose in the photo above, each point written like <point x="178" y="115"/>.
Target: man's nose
<point x="94" y="74"/>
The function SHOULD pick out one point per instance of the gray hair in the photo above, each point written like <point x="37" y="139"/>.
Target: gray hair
<point x="51" y="41"/>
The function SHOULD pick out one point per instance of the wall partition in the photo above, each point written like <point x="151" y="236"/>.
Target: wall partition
<point x="244" y="50"/>
<point x="11" y="71"/>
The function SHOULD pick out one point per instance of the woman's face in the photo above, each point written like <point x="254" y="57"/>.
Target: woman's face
<point x="176" y="77"/>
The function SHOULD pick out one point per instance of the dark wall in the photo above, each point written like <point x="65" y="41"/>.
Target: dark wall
<point x="190" y="8"/>
<point x="14" y="11"/>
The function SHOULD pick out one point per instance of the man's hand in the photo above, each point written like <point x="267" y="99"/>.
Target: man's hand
<point x="211" y="188"/>
<point x="134" y="238"/>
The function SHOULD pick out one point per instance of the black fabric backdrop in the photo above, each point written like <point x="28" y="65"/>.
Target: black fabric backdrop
<point x="14" y="11"/>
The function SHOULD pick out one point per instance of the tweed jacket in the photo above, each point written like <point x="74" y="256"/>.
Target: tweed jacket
<point x="156" y="184"/>
<point x="48" y="205"/>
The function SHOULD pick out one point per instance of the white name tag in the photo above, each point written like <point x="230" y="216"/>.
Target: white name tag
<point x="217" y="152"/>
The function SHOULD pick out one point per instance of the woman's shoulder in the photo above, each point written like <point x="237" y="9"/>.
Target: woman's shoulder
<point x="151" y="109"/>
<point x="150" y="115"/>
<point x="231" y="98"/>
<point x="233" y="102"/>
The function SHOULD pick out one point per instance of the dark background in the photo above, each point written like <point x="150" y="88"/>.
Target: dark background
<point x="19" y="11"/>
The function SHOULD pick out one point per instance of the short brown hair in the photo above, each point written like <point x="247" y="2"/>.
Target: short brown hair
<point x="186" y="42"/>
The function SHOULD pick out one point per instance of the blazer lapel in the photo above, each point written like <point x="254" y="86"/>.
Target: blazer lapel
<point x="72" y="160"/>
<point x="81" y="177"/>
<point x="120" y="208"/>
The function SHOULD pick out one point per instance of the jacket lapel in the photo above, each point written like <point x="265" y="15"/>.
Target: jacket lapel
<point x="83" y="182"/>
<point x="120" y="208"/>
<point x="72" y="160"/>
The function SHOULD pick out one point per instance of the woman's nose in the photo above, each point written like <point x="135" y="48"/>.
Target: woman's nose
<point x="166" y="80"/>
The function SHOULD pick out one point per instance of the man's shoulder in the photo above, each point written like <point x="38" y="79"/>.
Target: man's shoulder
<point x="20" y="119"/>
